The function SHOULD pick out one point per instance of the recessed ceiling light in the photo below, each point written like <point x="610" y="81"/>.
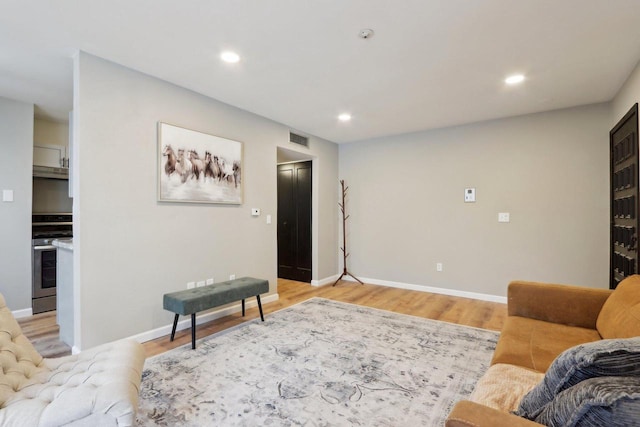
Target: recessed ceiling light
<point x="344" y="117"/>
<point x="514" y="79"/>
<point x="230" y="57"/>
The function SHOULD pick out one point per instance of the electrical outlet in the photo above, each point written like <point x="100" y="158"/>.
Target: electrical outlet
<point x="438" y="266"/>
<point x="504" y="217"/>
<point x="191" y="285"/>
<point x="210" y="281"/>
<point x="232" y="277"/>
<point x="201" y="283"/>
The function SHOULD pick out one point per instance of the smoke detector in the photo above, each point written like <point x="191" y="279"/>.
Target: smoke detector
<point x="367" y="33"/>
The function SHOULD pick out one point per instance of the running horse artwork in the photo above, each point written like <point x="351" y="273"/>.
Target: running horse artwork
<point x="196" y="167"/>
<point x="170" y="165"/>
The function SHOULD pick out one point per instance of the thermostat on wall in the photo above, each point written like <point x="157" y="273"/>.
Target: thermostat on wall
<point x="469" y="195"/>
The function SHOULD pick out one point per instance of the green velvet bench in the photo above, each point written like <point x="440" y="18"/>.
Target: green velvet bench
<point x="194" y="300"/>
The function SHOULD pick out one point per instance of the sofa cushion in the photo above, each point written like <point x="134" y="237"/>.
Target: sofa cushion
<point x="620" y="314"/>
<point x="567" y="305"/>
<point x="604" y="358"/>
<point x="503" y="386"/>
<point x="99" y="384"/>
<point x="602" y="401"/>
<point x="97" y="387"/>
<point x="534" y="344"/>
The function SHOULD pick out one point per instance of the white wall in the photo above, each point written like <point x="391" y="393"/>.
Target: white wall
<point x="549" y="171"/>
<point x="131" y="249"/>
<point x="50" y="132"/>
<point x="325" y="220"/>
<point x="628" y="95"/>
<point x="16" y="142"/>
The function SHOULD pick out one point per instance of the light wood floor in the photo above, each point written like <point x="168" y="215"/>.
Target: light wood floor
<point x="43" y="332"/>
<point x="464" y="311"/>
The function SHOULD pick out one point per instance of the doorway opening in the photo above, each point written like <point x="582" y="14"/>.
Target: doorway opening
<point x="294" y="225"/>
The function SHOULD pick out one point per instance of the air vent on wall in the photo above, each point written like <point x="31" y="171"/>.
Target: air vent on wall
<point x="298" y="139"/>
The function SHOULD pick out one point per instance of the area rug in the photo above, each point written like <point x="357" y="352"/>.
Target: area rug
<point x="318" y="363"/>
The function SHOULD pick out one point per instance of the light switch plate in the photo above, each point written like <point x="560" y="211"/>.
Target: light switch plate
<point x="7" y="195"/>
<point x="504" y="217"/>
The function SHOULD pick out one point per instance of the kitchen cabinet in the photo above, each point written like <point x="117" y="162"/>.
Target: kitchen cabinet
<point x="56" y="156"/>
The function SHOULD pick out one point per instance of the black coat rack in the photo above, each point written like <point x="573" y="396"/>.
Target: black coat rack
<point x="345" y="254"/>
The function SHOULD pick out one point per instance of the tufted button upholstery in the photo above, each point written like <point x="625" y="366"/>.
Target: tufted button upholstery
<point x="98" y="387"/>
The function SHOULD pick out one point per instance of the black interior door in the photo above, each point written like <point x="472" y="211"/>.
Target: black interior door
<point x="294" y="221"/>
<point x="623" y="144"/>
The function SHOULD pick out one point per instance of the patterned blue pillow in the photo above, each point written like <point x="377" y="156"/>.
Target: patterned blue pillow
<point x="597" y="402"/>
<point x="604" y="358"/>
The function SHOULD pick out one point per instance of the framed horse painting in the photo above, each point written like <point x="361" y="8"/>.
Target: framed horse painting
<point x="196" y="167"/>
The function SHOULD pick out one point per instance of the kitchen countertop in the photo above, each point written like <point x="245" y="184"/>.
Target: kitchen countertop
<point x="63" y="244"/>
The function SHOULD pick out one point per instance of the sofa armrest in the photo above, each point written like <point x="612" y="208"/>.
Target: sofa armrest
<point x="96" y="387"/>
<point x="563" y="304"/>
<point x="470" y="414"/>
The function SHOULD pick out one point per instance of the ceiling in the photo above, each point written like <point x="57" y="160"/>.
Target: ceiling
<point x="429" y="64"/>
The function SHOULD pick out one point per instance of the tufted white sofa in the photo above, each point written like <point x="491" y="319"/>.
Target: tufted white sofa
<point x="97" y="387"/>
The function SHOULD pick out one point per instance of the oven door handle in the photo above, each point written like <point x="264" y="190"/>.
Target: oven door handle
<point x="43" y="248"/>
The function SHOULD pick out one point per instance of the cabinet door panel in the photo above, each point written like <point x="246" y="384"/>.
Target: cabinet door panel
<point x="623" y="140"/>
<point x="49" y="155"/>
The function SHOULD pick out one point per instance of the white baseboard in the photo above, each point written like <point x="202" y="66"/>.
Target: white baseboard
<point x="206" y="317"/>
<point x="25" y="312"/>
<point x="434" y="290"/>
<point x="325" y="281"/>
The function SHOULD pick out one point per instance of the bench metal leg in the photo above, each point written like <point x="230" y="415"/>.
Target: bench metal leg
<point x="193" y="331"/>
<point x="242" y="308"/>
<point x="175" y="323"/>
<point x="259" y="306"/>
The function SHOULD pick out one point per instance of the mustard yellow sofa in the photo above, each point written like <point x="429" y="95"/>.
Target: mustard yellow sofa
<point x="543" y="321"/>
<point x="97" y="387"/>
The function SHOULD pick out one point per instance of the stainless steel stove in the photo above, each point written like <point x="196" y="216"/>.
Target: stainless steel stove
<point x="46" y="227"/>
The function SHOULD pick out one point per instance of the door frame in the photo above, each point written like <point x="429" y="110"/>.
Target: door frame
<point x="302" y="156"/>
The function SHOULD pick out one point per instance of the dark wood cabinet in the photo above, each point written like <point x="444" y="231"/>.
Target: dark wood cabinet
<point x="623" y="144"/>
